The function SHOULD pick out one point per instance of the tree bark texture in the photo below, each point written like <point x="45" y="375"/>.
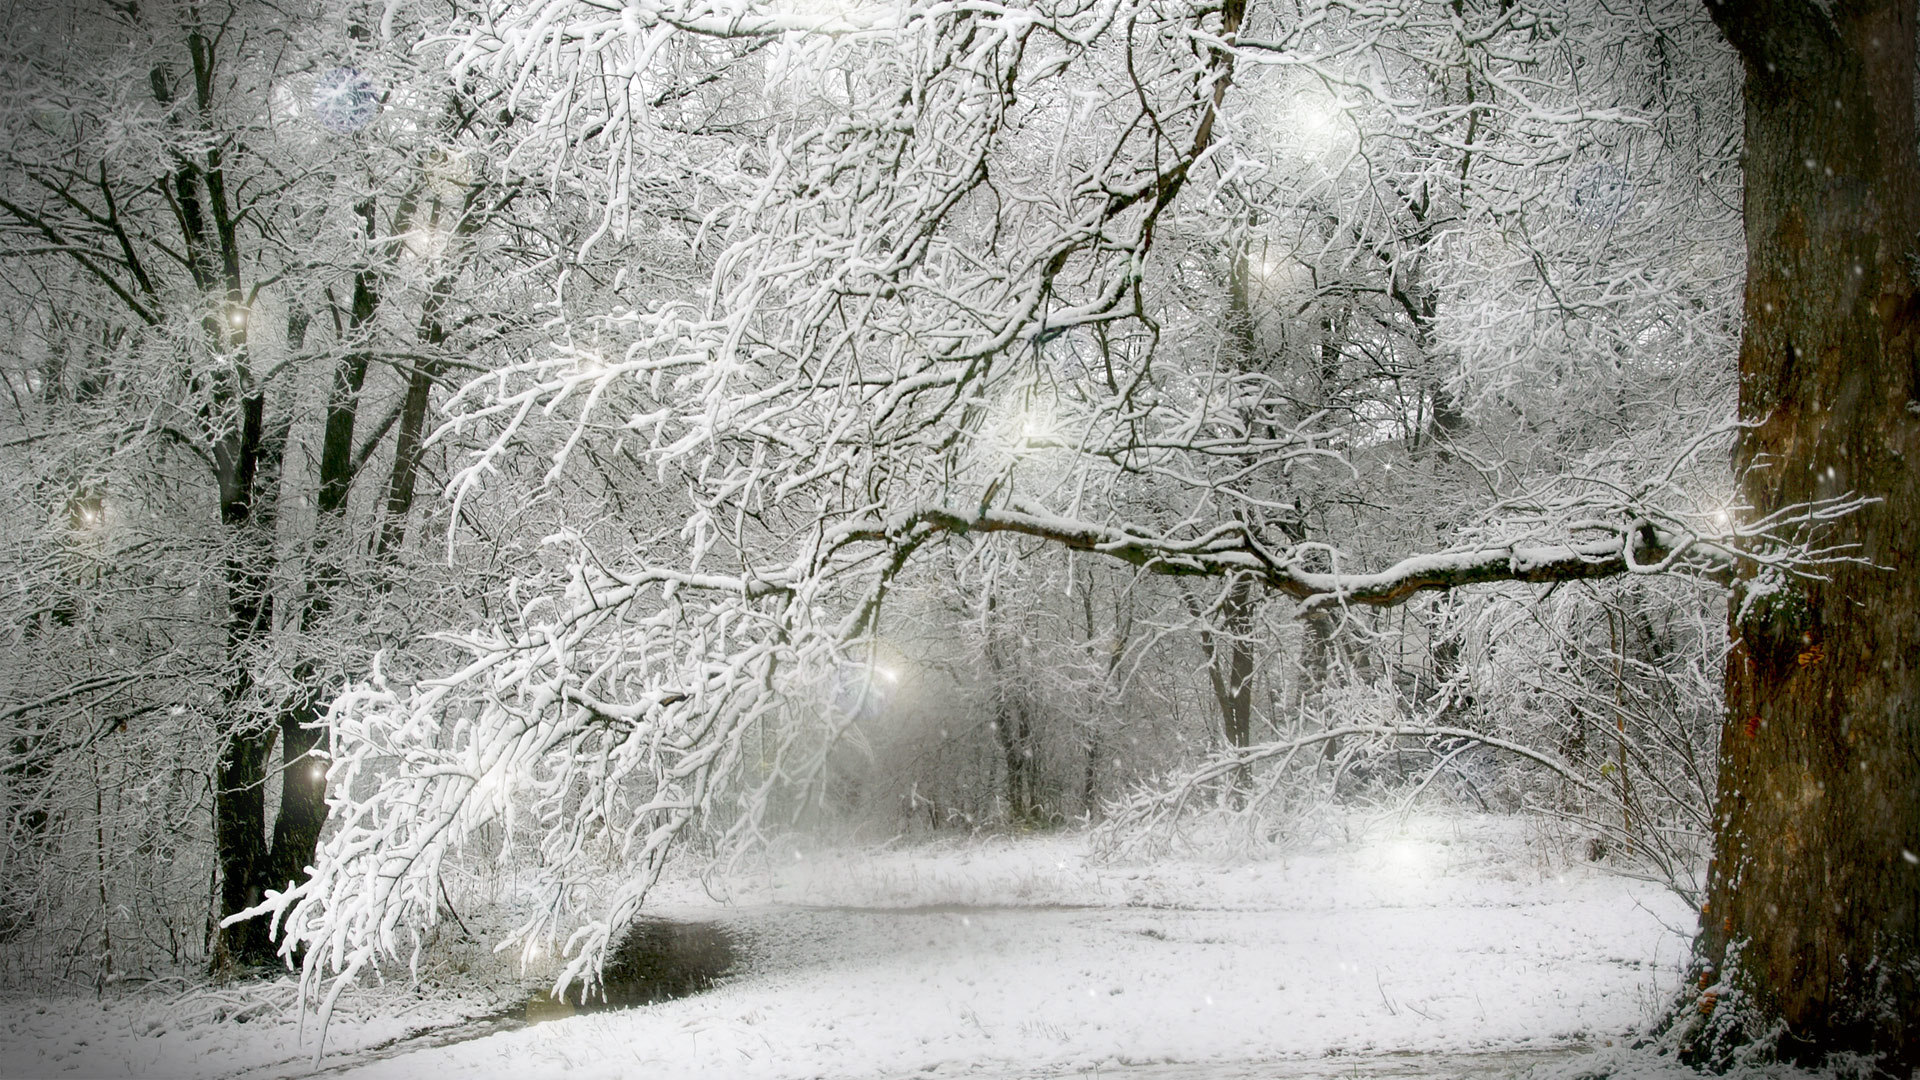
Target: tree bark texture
<point x="1813" y="912"/>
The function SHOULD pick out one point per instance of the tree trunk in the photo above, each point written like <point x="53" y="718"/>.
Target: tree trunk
<point x="1010" y="727"/>
<point x="240" y="804"/>
<point x="1235" y="688"/>
<point x="1813" y="911"/>
<point x="303" y="785"/>
<point x="1230" y="669"/>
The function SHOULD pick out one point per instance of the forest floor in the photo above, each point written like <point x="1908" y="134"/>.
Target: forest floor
<point x="1424" y="946"/>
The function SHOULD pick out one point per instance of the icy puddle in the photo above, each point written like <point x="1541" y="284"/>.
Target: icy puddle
<point x="658" y="960"/>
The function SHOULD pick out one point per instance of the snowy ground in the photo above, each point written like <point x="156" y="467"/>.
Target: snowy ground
<point x="1431" y="947"/>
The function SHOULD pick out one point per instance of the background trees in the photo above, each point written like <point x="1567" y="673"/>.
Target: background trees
<point x="242" y="246"/>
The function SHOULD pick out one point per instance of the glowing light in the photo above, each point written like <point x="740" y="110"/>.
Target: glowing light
<point x="1721" y="519"/>
<point x="1406" y="860"/>
<point x="1034" y="429"/>
<point x="887" y="674"/>
<point x="427" y="243"/>
<point x="1317" y="120"/>
<point x="318" y="772"/>
<point x="1405" y="855"/>
<point x="344" y="100"/>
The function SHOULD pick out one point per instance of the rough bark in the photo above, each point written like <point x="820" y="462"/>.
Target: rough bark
<point x="1813" y="912"/>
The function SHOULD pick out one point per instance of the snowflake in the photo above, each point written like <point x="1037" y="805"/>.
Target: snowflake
<point x="344" y="99"/>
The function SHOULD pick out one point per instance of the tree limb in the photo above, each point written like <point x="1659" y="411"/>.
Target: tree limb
<point x="1230" y="549"/>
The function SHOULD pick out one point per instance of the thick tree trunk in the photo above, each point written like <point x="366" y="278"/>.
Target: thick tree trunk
<point x="303" y="796"/>
<point x="240" y="818"/>
<point x="1813" y="912"/>
<point x="240" y="805"/>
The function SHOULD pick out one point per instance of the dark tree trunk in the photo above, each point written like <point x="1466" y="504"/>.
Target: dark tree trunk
<point x="413" y="419"/>
<point x="1230" y="668"/>
<point x="303" y="786"/>
<point x="1010" y="726"/>
<point x="303" y="796"/>
<point x="240" y="809"/>
<point x="245" y="469"/>
<point x="1235" y="687"/>
<point x="1813" y="912"/>
<point x="240" y="804"/>
<point x="240" y="798"/>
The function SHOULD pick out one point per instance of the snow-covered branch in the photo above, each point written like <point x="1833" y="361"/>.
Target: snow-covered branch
<point x="1636" y="548"/>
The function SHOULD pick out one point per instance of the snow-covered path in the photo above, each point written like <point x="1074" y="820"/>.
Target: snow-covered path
<point x="1024" y="959"/>
<point x="1412" y="954"/>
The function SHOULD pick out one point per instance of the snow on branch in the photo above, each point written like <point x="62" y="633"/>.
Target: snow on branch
<point x="1233" y="549"/>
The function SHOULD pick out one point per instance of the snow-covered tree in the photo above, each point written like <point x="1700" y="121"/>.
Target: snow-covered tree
<point x="244" y="247"/>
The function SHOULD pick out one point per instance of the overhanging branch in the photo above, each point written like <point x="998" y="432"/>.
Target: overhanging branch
<point x="1638" y="548"/>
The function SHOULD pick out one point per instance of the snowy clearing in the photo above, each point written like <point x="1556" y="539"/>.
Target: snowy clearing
<point x="1393" y="951"/>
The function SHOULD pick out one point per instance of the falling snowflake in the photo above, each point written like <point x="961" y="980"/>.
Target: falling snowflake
<point x="1600" y="194"/>
<point x="344" y="99"/>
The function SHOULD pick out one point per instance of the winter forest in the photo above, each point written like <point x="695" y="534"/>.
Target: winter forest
<point x="500" y="496"/>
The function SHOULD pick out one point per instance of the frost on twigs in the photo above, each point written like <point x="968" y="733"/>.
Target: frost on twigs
<point x="1599" y="194"/>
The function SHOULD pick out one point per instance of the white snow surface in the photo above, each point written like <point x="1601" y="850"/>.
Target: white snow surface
<point x="1404" y="940"/>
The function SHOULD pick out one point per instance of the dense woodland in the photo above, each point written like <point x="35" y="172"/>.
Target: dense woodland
<point x="449" y="434"/>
